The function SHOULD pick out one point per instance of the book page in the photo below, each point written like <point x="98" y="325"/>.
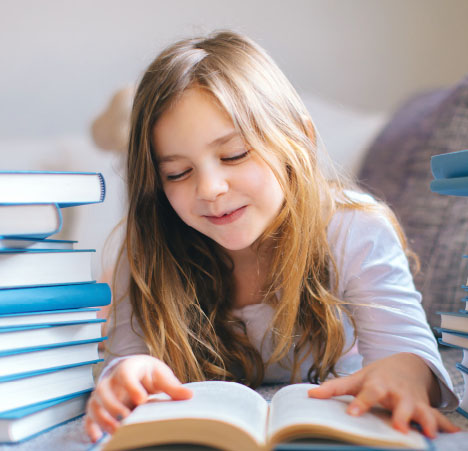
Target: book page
<point x="291" y="405"/>
<point x="224" y="401"/>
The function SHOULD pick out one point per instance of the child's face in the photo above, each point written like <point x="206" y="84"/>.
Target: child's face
<point x="212" y="181"/>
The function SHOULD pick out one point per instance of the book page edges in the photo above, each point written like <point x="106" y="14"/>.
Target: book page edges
<point x="206" y="432"/>
<point x="303" y="431"/>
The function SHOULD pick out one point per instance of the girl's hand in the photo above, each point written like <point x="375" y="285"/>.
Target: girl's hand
<point x="402" y="383"/>
<point x="128" y="385"/>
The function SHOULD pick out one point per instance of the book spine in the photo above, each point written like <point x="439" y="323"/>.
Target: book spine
<point x="58" y="297"/>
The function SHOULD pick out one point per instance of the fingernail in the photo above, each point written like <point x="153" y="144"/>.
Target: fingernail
<point x="354" y="411"/>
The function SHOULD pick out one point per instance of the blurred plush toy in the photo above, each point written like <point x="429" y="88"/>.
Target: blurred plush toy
<point x="110" y="129"/>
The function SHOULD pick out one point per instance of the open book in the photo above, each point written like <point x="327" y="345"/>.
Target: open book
<point x="232" y="416"/>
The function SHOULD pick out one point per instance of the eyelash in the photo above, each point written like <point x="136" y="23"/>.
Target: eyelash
<point x="236" y="157"/>
<point x="239" y="157"/>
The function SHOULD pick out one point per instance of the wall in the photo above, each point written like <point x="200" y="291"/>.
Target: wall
<point x="61" y="59"/>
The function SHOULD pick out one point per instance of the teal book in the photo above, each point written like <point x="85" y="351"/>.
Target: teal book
<point x="231" y="416"/>
<point x="455" y="321"/>
<point x="29" y="360"/>
<point x="58" y="297"/>
<point x="450" y="187"/>
<point x="24" y="423"/>
<point x="23" y="268"/>
<point x="463" y="407"/>
<point x="49" y="317"/>
<point x="15" y="242"/>
<point x="31" y="220"/>
<point x="452" y="337"/>
<point x="63" y="188"/>
<point x="21" y="337"/>
<point x="47" y="386"/>
<point x="450" y="165"/>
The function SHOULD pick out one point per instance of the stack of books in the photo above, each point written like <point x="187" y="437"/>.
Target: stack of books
<point x="450" y="173"/>
<point x="49" y="329"/>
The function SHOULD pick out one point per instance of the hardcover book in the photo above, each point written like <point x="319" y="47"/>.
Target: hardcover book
<point x="16" y="242"/>
<point x="37" y="220"/>
<point x="450" y="165"/>
<point x="48" y="317"/>
<point x="451" y="187"/>
<point x="63" y="188"/>
<point x="25" y="422"/>
<point x="27" y="360"/>
<point x="19" y="337"/>
<point x="58" y="297"/>
<point x="231" y="416"/>
<point x="46" y="386"/>
<point x="457" y="321"/>
<point x="20" y="268"/>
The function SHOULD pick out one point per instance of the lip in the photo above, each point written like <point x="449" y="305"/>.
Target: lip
<point x="227" y="219"/>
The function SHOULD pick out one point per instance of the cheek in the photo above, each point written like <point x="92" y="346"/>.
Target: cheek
<point x="178" y="200"/>
<point x="264" y="186"/>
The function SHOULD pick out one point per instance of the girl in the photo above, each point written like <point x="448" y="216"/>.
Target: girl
<point x="246" y="260"/>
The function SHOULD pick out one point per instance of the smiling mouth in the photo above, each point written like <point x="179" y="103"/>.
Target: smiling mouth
<point x="227" y="218"/>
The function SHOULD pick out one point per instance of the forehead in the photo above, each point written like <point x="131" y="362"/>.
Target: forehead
<point x="196" y="119"/>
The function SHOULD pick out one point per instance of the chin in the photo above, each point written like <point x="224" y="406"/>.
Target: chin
<point x="235" y="245"/>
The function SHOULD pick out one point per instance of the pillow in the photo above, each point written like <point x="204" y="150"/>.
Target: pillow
<point x="357" y="130"/>
<point x="397" y="169"/>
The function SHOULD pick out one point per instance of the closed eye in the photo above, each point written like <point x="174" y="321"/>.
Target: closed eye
<point x="237" y="157"/>
<point x="177" y="176"/>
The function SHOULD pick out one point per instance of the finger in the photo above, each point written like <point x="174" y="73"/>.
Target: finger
<point x="92" y="429"/>
<point x="445" y="425"/>
<point x="402" y="414"/>
<point x="109" y="401"/>
<point x="426" y="418"/>
<point x="131" y="387"/>
<point x="348" y="385"/>
<point x="163" y="379"/>
<point x="100" y="416"/>
<point x="370" y="395"/>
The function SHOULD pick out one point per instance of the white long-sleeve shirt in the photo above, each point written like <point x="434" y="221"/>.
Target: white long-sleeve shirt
<point x="376" y="283"/>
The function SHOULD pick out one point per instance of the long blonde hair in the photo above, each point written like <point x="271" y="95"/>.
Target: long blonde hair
<point x="181" y="282"/>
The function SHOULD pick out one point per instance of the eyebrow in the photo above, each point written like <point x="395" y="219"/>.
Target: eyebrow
<point x="215" y="143"/>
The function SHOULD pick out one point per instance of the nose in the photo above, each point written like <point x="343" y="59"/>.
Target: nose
<point x="211" y="184"/>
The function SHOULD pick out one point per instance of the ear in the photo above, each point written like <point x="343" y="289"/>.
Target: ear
<point x="310" y="129"/>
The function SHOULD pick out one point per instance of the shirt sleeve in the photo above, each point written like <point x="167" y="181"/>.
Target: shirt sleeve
<point x="376" y="283"/>
<point x="125" y="335"/>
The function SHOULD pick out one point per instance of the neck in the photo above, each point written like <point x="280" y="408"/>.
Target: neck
<point x="251" y="267"/>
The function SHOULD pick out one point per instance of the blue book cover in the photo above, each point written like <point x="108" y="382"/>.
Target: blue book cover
<point x="28" y="243"/>
<point x="462" y="412"/>
<point x="45" y="371"/>
<point x="450" y="165"/>
<point x="450" y="187"/>
<point x="46" y="326"/>
<point x="29" y="221"/>
<point x="56" y="297"/>
<point x="64" y="188"/>
<point x="50" y="346"/>
<point x="451" y="331"/>
<point x="443" y="343"/>
<point x="461" y="367"/>
<point x="46" y="312"/>
<point x="21" y="412"/>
